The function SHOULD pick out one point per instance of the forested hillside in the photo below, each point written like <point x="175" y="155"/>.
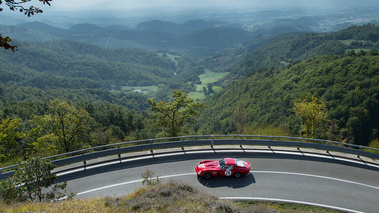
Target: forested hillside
<point x="67" y="64"/>
<point x="348" y="84"/>
<point x="291" y="48"/>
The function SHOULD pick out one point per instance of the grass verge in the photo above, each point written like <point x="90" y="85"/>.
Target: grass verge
<point x="172" y="196"/>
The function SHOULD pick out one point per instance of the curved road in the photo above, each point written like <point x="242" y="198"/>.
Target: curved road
<point x="278" y="176"/>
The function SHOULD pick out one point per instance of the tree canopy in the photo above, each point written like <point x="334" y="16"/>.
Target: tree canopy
<point x="69" y="125"/>
<point x="312" y="114"/>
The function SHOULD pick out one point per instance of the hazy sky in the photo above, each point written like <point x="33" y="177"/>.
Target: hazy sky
<point x="71" y="5"/>
<point x="83" y="4"/>
<point x="122" y="4"/>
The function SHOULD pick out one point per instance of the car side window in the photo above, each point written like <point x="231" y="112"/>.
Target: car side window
<point x="222" y="164"/>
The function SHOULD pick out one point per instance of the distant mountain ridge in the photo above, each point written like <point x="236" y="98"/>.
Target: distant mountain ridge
<point x="154" y="35"/>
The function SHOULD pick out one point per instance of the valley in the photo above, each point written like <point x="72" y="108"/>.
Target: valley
<point x="249" y="67"/>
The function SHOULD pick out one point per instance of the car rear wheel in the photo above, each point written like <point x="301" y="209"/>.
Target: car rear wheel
<point x="237" y="174"/>
<point x="207" y="175"/>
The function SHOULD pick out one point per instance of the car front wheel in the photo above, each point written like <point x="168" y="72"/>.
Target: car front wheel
<point x="237" y="174"/>
<point x="208" y="175"/>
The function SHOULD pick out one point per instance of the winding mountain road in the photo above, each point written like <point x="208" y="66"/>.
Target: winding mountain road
<point x="323" y="180"/>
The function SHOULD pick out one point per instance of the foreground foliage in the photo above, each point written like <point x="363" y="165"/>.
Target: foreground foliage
<point x="14" y="6"/>
<point x="53" y="127"/>
<point x="33" y="181"/>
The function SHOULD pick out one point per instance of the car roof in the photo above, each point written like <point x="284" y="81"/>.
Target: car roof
<point x="230" y="161"/>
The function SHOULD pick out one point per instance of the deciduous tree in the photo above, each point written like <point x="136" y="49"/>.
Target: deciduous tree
<point x="312" y="114"/>
<point x="172" y="115"/>
<point x="69" y="125"/>
<point x="39" y="144"/>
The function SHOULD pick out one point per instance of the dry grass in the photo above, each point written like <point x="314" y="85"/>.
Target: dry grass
<point x="173" y="196"/>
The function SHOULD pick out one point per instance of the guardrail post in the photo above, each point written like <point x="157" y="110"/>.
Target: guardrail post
<point x="212" y="142"/>
<point x="327" y="151"/>
<point x="84" y="162"/>
<point x="151" y="143"/>
<point x="360" y="147"/>
<point x="1" y="171"/>
<point x="119" y="154"/>
<point x="182" y="141"/>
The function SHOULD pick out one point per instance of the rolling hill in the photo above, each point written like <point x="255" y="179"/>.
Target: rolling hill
<point x="74" y="65"/>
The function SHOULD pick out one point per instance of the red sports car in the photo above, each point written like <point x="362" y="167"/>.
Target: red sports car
<point x="225" y="167"/>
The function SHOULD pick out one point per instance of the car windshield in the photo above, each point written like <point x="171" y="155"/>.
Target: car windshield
<point x="222" y="164"/>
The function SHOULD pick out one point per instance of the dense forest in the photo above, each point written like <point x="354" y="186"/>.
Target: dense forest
<point x="269" y="76"/>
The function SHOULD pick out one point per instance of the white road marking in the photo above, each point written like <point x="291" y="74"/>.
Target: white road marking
<point x="316" y="176"/>
<point x="267" y="172"/>
<point x="253" y="198"/>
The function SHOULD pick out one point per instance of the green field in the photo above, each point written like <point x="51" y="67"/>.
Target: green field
<point x="211" y="77"/>
<point x="207" y="78"/>
<point x="348" y="41"/>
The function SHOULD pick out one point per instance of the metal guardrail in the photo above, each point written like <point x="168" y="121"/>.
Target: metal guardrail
<point x="204" y="140"/>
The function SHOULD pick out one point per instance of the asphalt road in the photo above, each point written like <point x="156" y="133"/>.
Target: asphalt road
<point x="291" y="177"/>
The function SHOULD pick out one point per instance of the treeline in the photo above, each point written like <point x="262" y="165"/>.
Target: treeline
<point x="348" y="84"/>
<point x="57" y="126"/>
<point x="129" y="100"/>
